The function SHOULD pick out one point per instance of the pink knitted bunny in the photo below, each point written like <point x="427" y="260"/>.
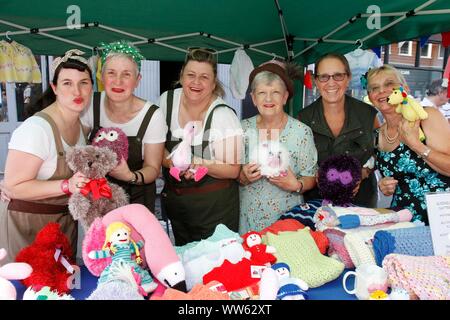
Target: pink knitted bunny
<point x="182" y="155"/>
<point x="11" y="271"/>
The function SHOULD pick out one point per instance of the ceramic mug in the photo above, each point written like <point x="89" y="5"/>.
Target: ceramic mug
<point x="368" y="278"/>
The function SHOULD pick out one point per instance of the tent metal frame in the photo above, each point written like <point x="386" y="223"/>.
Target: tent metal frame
<point x="287" y="38"/>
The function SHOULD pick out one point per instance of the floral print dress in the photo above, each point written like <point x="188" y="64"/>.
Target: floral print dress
<point x="261" y="202"/>
<point x="415" y="178"/>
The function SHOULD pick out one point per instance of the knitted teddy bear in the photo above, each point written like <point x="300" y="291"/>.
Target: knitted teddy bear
<point x="272" y="157"/>
<point x="410" y="109"/>
<point x="113" y="138"/>
<point x="50" y="255"/>
<point x="97" y="197"/>
<point x="11" y="271"/>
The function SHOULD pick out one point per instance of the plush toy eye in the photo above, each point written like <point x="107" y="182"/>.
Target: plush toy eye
<point x="345" y="177"/>
<point x="100" y="137"/>
<point x="112" y="136"/>
<point x="332" y="175"/>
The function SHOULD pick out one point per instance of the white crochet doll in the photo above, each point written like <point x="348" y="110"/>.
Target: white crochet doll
<point x="289" y="288"/>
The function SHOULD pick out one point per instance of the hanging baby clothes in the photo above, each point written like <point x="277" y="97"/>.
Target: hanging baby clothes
<point x="360" y="62"/>
<point x="240" y="70"/>
<point x="6" y="62"/>
<point x="25" y="65"/>
<point x="17" y="63"/>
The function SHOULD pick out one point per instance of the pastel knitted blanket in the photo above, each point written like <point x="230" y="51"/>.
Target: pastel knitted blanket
<point x="358" y="244"/>
<point x="294" y="225"/>
<point x="301" y="253"/>
<point x="424" y="278"/>
<point x="409" y="241"/>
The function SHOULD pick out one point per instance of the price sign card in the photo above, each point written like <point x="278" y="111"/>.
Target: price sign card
<point x="438" y="204"/>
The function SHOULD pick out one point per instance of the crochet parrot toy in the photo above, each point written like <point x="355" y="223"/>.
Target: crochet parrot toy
<point x="410" y="109"/>
<point x="182" y="155"/>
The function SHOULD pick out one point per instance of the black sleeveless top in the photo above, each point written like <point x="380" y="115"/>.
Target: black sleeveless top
<point x="143" y="194"/>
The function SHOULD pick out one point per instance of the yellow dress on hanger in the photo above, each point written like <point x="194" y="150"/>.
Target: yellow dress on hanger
<point x="7" y="73"/>
<point x="25" y="65"/>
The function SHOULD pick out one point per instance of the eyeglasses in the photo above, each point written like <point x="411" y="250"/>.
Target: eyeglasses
<point x="200" y="54"/>
<point x="339" y="76"/>
<point x="389" y="85"/>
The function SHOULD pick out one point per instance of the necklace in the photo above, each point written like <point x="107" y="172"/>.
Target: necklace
<point x="278" y="127"/>
<point x="390" y="140"/>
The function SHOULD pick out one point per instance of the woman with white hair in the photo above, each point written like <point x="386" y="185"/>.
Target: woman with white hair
<point x="142" y="121"/>
<point x="264" y="197"/>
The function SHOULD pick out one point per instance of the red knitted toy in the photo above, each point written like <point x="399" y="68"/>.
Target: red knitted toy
<point x="259" y="253"/>
<point x="48" y="271"/>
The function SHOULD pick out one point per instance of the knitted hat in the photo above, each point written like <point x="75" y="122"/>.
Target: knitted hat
<point x="300" y="252"/>
<point x="287" y="73"/>
<point x="279" y="265"/>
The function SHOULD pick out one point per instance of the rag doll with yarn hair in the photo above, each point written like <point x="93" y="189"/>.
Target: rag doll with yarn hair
<point x="123" y="250"/>
<point x="338" y="177"/>
<point x="272" y="157"/>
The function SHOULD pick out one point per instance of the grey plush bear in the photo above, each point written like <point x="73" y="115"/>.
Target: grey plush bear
<point x="99" y="196"/>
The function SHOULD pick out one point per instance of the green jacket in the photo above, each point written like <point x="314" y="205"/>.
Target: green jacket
<point x="356" y="139"/>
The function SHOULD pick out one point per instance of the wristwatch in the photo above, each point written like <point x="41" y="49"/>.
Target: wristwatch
<point x="425" y="154"/>
<point x="301" y="186"/>
<point x="135" y="178"/>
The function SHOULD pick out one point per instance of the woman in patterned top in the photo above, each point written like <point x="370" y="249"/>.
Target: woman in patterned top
<point x="263" y="199"/>
<point x="410" y="167"/>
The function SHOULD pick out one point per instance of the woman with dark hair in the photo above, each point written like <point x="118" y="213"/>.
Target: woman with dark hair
<point x="37" y="179"/>
<point x="196" y="208"/>
<point x="342" y="124"/>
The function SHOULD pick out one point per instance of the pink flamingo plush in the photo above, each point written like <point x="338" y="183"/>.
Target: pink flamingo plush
<point x="11" y="271"/>
<point x="182" y="155"/>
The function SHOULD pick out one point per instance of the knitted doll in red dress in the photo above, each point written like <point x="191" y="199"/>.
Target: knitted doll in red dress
<point x="257" y="252"/>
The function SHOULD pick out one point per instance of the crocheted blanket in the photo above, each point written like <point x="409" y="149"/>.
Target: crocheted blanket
<point x="294" y="225"/>
<point x="425" y="278"/>
<point x="301" y="253"/>
<point x="410" y="241"/>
